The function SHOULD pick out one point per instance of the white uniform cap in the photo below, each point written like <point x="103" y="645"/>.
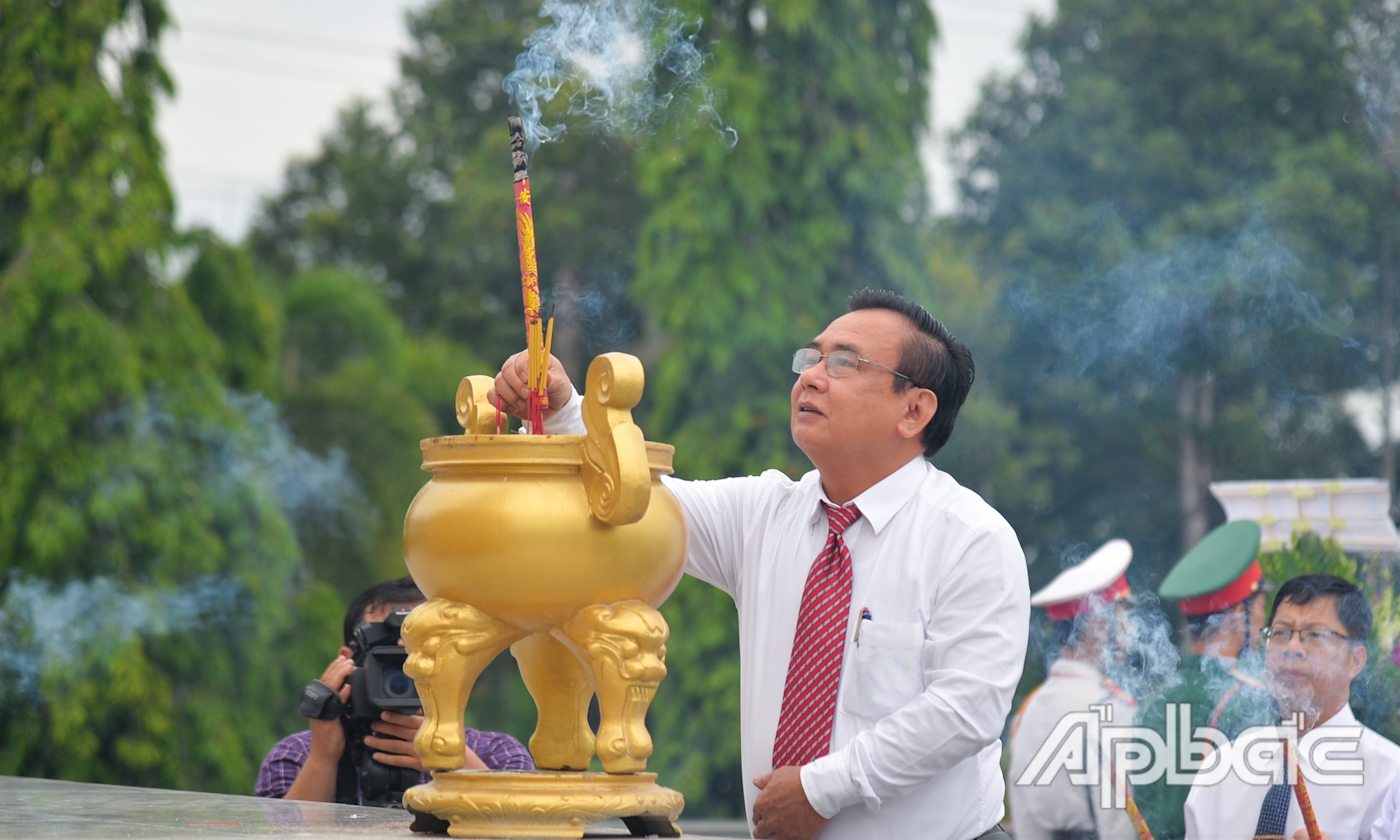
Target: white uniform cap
<point x="1099" y="579"/>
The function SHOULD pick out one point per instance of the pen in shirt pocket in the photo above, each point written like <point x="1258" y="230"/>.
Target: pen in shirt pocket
<point x="864" y="617"/>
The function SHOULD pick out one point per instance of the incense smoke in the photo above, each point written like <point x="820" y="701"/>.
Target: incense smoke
<point x="604" y="313"/>
<point x="620" y="63"/>
<point x="73" y="625"/>
<point x="240" y="475"/>
<point x="1141" y="318"/>
<point x="1377" y="55"/>
<point x="1136" y="649"/>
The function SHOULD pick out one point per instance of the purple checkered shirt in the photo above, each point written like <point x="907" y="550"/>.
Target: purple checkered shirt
<point x="497" y="750"/>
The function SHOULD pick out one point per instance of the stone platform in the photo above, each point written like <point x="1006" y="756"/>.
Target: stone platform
<point x="44" y="808"/>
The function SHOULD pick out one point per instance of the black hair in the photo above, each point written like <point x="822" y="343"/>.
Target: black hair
<point x="1353" y="610"/>
<point x="932" y="358"/>
<point x="400" y="591"/>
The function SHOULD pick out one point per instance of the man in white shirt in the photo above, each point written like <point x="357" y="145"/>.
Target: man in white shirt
<point x="881" y="672"/>
<point x="1087" y="603"/>
<point x="1315" y="645"/>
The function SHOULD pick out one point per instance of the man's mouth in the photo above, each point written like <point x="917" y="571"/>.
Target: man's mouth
<point x="807" y="409"/>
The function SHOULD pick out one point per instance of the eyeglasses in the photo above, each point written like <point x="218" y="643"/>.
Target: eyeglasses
<point x="839" y="363"/>
<point x="1311" y="639"/>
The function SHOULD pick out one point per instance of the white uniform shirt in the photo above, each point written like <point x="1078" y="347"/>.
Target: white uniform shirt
<point x="1230" y="809"/>
<point x="1037" y="811"/>
<point x="925" y="691"/>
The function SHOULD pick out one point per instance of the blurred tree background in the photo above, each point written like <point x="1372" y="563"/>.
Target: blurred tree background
<point x="1175" y="263"/>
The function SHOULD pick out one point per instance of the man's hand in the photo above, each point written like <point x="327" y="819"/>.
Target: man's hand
<point x="512" y="385"/>
<point x="328" y="736"/>
<point x="1302" y="834"/>
<point x="397" y="748"/>
<point x="782" y="809"/>
<point x="316" y="781"/>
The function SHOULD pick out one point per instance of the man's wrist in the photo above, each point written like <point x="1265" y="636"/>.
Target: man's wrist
<point x="323" y="758"/>
<point x="325" y="749"/>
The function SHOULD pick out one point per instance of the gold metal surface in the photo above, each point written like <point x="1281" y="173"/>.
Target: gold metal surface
<point x="560" y="548"/>
<point x="626" y="645"/>
<point x="449" y="645"/>
<point x="614" y="456"/>
<point x="543" y="804"/>
<point x="475" y="413"/>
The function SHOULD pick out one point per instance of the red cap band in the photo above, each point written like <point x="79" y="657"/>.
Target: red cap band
<point x="1115" y="591"/>
<point x="1226" y="596"/>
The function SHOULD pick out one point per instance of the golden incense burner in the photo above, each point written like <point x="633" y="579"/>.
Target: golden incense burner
<point x="559" y="547"/>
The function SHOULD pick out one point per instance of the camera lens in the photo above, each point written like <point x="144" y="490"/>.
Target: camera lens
<point x="397" y="684"/>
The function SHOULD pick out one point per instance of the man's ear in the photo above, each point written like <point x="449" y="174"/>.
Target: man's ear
<point x="920" y="406"/>
<point x="1359" y="655"/>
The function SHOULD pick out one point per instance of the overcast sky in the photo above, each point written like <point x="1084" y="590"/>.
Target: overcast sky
<point x="259" y="82"/>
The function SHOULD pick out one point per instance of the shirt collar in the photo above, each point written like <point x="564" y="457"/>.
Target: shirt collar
<point x="1343" y="717"/>
<point x="882" y="501"/>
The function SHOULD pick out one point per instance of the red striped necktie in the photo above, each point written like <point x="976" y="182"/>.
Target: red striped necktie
<point x="814" y="672"/>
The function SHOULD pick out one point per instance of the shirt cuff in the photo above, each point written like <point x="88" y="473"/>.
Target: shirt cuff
<point x="828" y="786"/>
<point x="568" y="420"/>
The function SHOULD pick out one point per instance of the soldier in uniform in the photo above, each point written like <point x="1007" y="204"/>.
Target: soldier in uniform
<point x="1218" y="588"/>
<point x="1086" y="603"/>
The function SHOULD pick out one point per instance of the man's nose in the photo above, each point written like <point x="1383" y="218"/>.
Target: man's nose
<point x="814" y="376"/>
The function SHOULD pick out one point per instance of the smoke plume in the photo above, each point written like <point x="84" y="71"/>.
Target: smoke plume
<point x="621" y="64"/>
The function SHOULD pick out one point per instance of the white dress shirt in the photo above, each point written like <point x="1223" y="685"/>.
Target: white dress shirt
<point x="1387" y="826"/>
<point x="1230" y="809"/>
<point x="1038" y="811"/>
<point x="926" y="686"/>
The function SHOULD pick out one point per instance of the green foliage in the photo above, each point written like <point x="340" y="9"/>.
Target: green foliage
<point x="425" y="208"/>
<point x="150" y="586"/>
<point x="237" y="304"/>
<point x="1182" y="218"/>
<point x="749" y="252"/>
<point x="356" y="388"/>
<point x="1308" y="554"/>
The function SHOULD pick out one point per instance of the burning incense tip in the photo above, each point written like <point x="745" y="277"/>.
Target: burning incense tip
<point x="517" y="148"/>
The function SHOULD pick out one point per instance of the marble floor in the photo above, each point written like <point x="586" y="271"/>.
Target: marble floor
<point x="44" y="808"/>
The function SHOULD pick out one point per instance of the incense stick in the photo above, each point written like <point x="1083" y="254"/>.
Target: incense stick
<point x="1300" y="790"/>
<point x="529" y="281"/>
<point x="548" y="344"/>
<point x="1139" y="824"/>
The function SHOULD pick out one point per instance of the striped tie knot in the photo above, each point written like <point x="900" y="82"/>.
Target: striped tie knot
<point x="838" y="519"/>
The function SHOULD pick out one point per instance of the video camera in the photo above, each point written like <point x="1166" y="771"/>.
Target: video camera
<point x="377" y="684"/>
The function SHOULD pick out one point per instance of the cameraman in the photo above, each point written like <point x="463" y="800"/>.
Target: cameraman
<point x="305" y="765"/>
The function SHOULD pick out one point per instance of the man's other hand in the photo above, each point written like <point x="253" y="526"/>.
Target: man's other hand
<point x="512" y="385"/>
<point x="396" y="748"/>
<point x="782" y="809"/>
<point x="1302" y="834"/>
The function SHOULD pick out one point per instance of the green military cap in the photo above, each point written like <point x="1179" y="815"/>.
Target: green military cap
<point x="1221" y="571"/>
